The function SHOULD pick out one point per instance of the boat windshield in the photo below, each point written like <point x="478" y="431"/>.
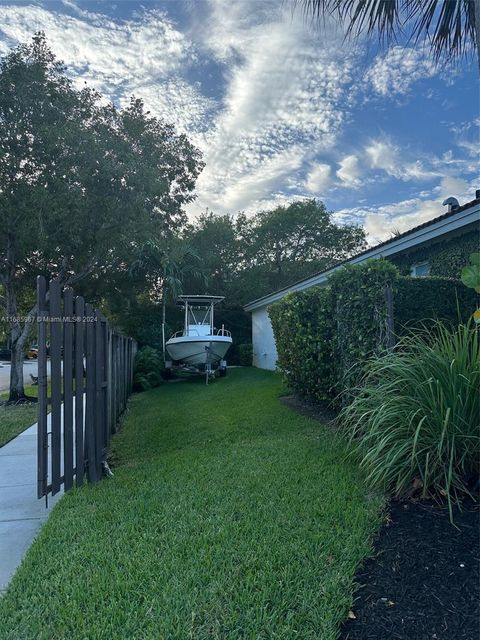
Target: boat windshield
<point x="199" y="330"/>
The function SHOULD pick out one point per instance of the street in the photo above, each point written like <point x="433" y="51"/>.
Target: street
<point x="29" y="367"/>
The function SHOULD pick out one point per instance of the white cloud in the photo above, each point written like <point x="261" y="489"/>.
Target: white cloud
<point x="382" y="221"/>
<point x="394" y="72"/>
<point x="450" y="186"/>
<point x="384" y="155"/>
<point x="145" y="55"/>
<point x="319" y="179"/>
<point x="283" y="102"/>
<point x="350" y="171"/>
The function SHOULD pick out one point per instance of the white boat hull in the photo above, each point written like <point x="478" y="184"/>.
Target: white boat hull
<point x="193" y="349"/>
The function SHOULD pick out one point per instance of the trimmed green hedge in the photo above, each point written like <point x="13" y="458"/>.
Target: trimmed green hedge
<point x="420" y="299"/>
<point x="360" y="312"/>
<point x="303" y="327"/>
<point x="326" y="335"/>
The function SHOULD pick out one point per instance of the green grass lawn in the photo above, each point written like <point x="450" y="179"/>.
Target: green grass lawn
<point x="229" y="517"/>
<point x="14" y="419"/>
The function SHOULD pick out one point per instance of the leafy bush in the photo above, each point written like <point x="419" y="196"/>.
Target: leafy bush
<point x="417" y="414"/>
<point x="303" y="324"/>
<point x="420" y="299"/>
<point x="360" y="317"/>
<point x="245" y="355"/>
<point x="148" y="368"/>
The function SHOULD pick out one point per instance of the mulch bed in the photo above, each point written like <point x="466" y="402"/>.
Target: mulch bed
<point x="423" y="582"/>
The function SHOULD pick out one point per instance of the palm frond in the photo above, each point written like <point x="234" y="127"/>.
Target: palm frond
<point x="449" y="26"/>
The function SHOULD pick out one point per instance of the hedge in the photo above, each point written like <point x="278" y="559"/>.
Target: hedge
<point x="326" y="335"/>
<point x="303" y="327"/>
<point x="420" y="299"/>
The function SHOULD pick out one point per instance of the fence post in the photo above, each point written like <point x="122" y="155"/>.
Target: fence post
<point x="79" y="389"/>
<point x="68" y="389"/>
<point x="90" y="417"/>
<point x="56" y="379"/>
<point x="42" y="435"/>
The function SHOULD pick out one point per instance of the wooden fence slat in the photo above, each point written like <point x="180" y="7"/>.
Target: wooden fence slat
<point x="92" y="372"/>
<point x="79" y="389"/>
<point x="56" y="380"/>
<point x="90" y="413"/>
<point x="99" y="422"/>
<point x="68" y="389"/>
<point x="42" y="436"/>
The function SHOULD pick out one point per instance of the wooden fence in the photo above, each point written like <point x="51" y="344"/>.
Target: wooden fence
<point x="91" y="372"/>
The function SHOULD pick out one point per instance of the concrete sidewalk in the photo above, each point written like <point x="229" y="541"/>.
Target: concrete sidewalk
<point x="21" y="513"/>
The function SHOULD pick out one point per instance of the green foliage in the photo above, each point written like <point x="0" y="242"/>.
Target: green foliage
<point x="471" y="274"/>
<point x="244" y="258"/>
<point x="360" y="329"/>
<point x="148" y="368"/>
<point x="303" y="327"/>
<point x="352" y="314"/>
<point x="446" y="258"/>
<point x="419" y="299"/>
<point x="287" y="239"/>
<point x="245" y="355"/>
<point x="417" y="413"/>
<point x="82" y="184"/>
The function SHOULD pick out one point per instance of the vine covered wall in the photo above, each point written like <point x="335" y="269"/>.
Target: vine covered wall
<point x="446" y="258"/>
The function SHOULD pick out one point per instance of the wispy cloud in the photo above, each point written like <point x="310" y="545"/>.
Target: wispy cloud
<point x="394" y="72"/>
<point x="145" y="55"/>
<point x="268" y="99"/>
<point x="284" y="102"/>
<point x="381" y="221"/>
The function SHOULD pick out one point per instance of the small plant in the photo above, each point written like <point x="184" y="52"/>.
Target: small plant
<point x="416" y="417"/>
<point x="471" y="279"/>
<point x="148" y="368"/>
<point x="245" y="355"/>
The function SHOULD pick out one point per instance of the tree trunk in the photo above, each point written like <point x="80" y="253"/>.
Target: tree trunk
<point x="19" y="329"/>
<point x="17" y="390"/>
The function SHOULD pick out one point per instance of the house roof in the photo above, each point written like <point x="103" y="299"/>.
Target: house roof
<point x="460" y="217"/>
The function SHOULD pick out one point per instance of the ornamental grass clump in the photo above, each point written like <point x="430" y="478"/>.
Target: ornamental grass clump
<point x="416" y="416"/>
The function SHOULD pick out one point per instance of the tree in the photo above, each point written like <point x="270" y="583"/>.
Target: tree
<point x="294" y="241"/>
<point x="452" y="27"/>
<point x="163" y="269"/>
<point x="82" y="185"/>
<point x="216" y="239"/>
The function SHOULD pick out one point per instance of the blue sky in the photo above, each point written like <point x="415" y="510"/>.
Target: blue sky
<point x="281" y="110"/>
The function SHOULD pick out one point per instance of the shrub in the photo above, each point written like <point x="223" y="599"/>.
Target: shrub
<point x="245" y="355"/>
<point x="302" y="323"/>
<point x="419" y="299"/>
<point x="148" y="368"/>
<point x="417" y="413"/>
<point x="360" y="317"/>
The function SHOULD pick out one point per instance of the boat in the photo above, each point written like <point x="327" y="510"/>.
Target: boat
<point x="200" y="346"/>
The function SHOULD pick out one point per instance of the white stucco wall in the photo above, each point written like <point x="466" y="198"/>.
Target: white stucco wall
<point x="264" y="349"/>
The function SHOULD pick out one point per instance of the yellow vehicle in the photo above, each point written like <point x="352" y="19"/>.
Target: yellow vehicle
<point x="32" y="353"/>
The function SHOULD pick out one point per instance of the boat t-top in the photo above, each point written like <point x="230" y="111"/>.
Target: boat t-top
<point x="200" y="345"/>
